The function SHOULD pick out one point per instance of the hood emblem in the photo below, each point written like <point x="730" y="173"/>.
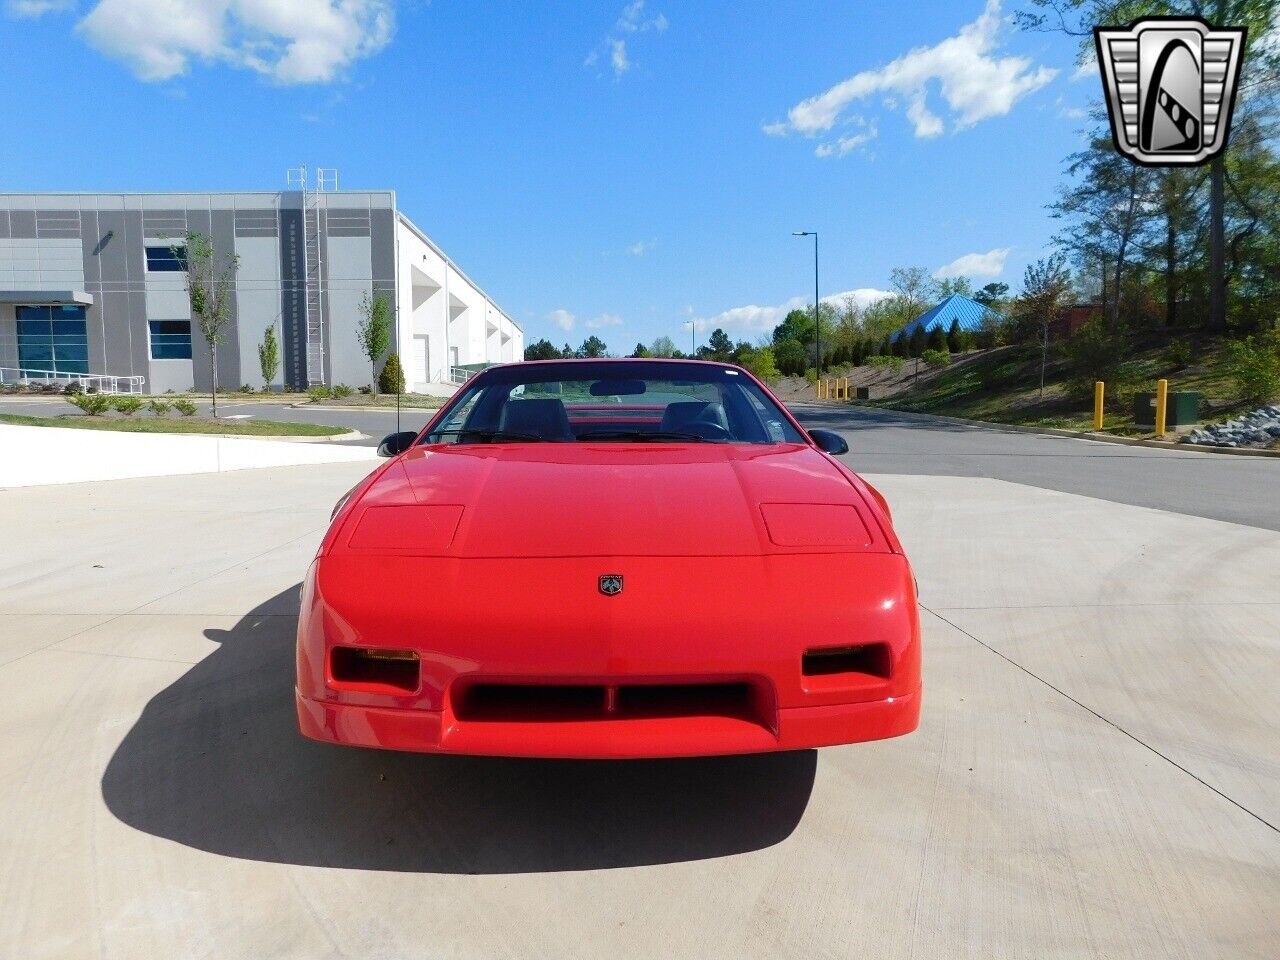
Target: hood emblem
<point x="611" y="584"/>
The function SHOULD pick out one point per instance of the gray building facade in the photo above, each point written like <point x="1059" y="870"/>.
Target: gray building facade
<point x="95" y="284"/>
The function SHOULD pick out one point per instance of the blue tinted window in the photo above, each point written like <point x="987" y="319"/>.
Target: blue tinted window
<point x="166" y="259"/>
<point x="52" y="340"/>
<point x="170" y="339"/>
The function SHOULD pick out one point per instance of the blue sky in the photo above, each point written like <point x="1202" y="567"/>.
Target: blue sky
<point x="603" y="168"/>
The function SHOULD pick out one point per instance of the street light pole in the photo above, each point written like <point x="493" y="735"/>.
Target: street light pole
<point x="693" y="339"/>
<point x="817" y="314"/>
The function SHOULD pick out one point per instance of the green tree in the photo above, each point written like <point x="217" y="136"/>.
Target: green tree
<point x="663" y="347"/>
<point x="719" y="346"/>
<point x="992" y="295"/>
<point x="542" y="349"/>
<point x="954" y="342"/>
<point x="760" y="361"/>
<point x="269" y="356"/>
<point x="949" y="285"/>
<point x="210" y="289"/>
<point x="790" y="357"/>
<point x="1046" y="285"/>
<point x="916" y="341"/>
<point x="641" y="351"/>
<point x="797" y="325"/>
<point x="936" y="340"/>
<point x="592" y="348"/>
<point x="373" y="331"/>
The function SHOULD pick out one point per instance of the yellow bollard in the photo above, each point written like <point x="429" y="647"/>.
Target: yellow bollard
<point x="817" y="389"/>
<point x="846" y="388"/>
<point x="1162" y="406"/>
<point x="1099" y="392"/>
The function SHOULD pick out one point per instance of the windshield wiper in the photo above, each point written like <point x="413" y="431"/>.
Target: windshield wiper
<point x="490" y="435"/>
<point x="642" y="436"/>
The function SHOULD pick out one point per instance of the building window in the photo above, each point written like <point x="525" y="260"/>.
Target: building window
<point x="167" y="258"/>
<point x="52" y="340"/>
<point x="170" y="339"/>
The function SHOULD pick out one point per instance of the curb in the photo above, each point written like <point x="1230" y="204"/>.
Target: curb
<point x="336" y="438"/>
<point x="1059" y="432"/>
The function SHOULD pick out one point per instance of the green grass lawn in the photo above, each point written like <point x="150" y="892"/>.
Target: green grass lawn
<point x="150" y="424"/>
<point x="1003" y="386"/>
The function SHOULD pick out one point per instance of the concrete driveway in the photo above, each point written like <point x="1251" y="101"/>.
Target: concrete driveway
<point x="1097" y="773"/>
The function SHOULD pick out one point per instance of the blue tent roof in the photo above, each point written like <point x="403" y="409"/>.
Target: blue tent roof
<point x="955" y="307"/>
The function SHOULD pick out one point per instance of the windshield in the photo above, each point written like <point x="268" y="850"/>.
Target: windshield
<point x="642" y="402"/>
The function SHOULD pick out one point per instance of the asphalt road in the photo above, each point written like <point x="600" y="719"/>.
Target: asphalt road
<point x="1242" y="490"/>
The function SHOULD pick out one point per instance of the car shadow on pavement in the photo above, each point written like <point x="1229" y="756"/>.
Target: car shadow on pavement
<point x="216" y="762"/>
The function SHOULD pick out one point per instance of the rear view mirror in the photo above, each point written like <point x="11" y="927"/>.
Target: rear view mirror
<point x="396" y="443"/>
<point x="617" y="388"/>
<point x="829" y="441"/>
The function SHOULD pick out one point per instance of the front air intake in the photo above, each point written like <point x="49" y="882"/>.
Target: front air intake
<point x="375" y="671"/>
<point x="867" y="659"/>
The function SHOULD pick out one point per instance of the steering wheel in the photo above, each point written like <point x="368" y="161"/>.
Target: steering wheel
<point x="706" y="429"/>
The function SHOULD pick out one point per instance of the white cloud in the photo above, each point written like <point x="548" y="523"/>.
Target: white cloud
<point x="641" y="247"/>
<point x="562" y="319"/>
<point x="36" y="8"/>
<point x="845" y="145"/>
<point x="974" y="83"/>
<point x="290" y="41"/>
<point x="618" y="57"/>
<point x="975" y="265"/>
<point x="754" y="319"/>
<point x="630" y="22"/>
<point x="605" y="320"/>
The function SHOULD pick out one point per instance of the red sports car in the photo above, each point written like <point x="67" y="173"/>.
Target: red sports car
<point x="610" y="558"/>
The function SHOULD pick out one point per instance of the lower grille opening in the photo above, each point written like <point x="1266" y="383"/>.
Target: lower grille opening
<point x="394" y="669"/>
<point x="871" y="659"/>
<point x="523" y="703"/>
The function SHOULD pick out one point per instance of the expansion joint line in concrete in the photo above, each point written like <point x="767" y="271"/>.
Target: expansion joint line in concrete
<point x="1107" y="720"/>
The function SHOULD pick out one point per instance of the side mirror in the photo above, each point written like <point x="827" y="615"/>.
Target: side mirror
<point x="396" y="443"/>
<point x="829" y="441"/>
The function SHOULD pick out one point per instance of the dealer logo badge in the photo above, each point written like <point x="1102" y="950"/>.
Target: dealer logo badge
<point x="611" y="584"/>
<point x="1170" y="84"/>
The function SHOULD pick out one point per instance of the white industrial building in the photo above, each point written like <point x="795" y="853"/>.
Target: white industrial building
<point x="92" y="285"/>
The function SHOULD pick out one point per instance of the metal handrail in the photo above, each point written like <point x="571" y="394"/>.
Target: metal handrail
<point x="101" y="382"/>
<point x="460" y="374"/>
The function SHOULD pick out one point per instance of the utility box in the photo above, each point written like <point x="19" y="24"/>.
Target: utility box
<point x="864" y="393"/>
<point x="1183" y="409"/>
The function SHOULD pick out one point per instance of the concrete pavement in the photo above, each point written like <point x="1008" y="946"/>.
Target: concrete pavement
<point x="1097" y="772"/>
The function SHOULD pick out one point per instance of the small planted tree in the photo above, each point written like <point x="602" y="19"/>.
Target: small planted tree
<point x="391" y="379"/>
<point x="210" y="287"/>
<point x="269" y="356"/>
<point x="373" y="332"/>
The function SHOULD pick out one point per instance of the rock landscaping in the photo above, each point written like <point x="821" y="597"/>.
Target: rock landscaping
<point x="1261" y="428"/>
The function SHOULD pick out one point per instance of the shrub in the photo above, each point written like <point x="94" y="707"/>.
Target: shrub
<point x="94" y="404"/>
<point x="367" y="388"/>
<point x="247" y="388"/>
<point x="1177" y="355"/>
<point x="73" y="388"/>
<point x="1254" y="364"/>
<point x="391" y="379"/>
<point x="342" y="390"/>
<point x="891" y="361"/>
<point x="318" y="393"/>
<point x="127" y="405"/>
<point x="158" y="407"/>
<point x="185" y="407"/>
<point x="936" y="359"/>
<point x="1092" y="354"/>
<point x="936" y="341"/>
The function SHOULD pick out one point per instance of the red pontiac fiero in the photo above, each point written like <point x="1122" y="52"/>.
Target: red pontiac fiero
<point x="610" y="558"/>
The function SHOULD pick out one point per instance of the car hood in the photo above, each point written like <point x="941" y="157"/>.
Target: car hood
<point x="571" y="500"/>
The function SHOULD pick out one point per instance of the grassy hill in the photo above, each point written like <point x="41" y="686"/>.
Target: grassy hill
<point x="1003" y="385"/>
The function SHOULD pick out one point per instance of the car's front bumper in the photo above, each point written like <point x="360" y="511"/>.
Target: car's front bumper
<point x="796" y="728"/>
